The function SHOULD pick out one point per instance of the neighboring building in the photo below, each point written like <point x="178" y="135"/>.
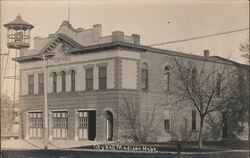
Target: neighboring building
<point x="88" y="77"/>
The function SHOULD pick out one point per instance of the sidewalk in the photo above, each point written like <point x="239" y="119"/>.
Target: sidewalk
<point x="21" y="144"/>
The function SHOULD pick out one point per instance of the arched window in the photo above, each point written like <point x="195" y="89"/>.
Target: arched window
<point x="167" y="78"/>
<point x="72" y="76"/>
<point x="144" y="76"/>
<point x="54" y="77"/>
<point x="63" y="81"/>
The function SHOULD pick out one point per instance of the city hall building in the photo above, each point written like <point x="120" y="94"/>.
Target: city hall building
<point x="89" y="75"/>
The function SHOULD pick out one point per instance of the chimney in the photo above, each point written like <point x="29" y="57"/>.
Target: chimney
<point x="206" y="53"/>
<point x="50" y="35"/>
<point x="97" y="31"/>
<point x="136" y="38"/>
<point x="117" y="36"/>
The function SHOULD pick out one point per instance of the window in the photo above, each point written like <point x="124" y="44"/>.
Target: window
<point x="167" y="120"/>
<point x="60" y="124"/>
<point x="193" y="80"/>
<point x="167" y="78"/>
<point x="83" y="125"/>
<point x="144" y="76"/>
<point x="54" y="76"/>
<point x="72" y="75"/>
<point x="83" y="119"/>
<point x="89" y="79"/>
<point x="102" y="77"/>
<point x="41" y="83"/>
<point x="218" y="85"/>
<point x="193" y="120"/>
<point x="31" y="84"/>
<point x="63" y="81"/>
<point x="35" y="124"/>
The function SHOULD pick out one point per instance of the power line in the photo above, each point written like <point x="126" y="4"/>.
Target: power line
<point x="200" y="37"/>
<point x="5" y="68"/>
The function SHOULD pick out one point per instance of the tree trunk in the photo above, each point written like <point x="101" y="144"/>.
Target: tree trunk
<point x="201" y="133"/>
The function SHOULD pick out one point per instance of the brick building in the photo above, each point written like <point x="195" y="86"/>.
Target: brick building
<point x="88" y="77"/>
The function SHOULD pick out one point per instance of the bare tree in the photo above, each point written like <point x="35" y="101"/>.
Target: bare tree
<point x="205" y="86"/>
<point x="6" y="116"/>
<point x="245" y="49"/>
<point x="135" y="126"/>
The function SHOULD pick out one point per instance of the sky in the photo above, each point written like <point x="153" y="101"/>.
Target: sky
<point x="156" y="21"/>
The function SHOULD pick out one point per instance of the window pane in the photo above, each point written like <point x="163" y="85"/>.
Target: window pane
<point x="167" y="124"/>
<point x="89" y="73"/>
<point x="63" y="81"/>
<point x="54" y="82"/>
<point x="102" y="72"/>
<point x="102" y="83"/>
<point x="144" y="79"/>
<point x="102" y="77"/>
<point x="193" y="119"/>
<point x="41" y="83"/>
<point x="31" y="84"/>
<point x="89" y="84"/>
<point x="89" y="78"/>
<point x="72" y="80"/>
<point x="218" y="84"/>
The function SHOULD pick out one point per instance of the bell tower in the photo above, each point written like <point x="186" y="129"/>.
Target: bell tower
<point x="18" y="38"/>
<point x="18" y="33"/>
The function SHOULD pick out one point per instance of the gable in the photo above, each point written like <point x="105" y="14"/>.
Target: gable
<point x="60" y="44"/>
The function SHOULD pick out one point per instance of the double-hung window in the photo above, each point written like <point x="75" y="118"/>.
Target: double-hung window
<point x="102" y="77"/>
<point x="41" y="83"/>
<point x="144" y="76"/>
<point x="31" y="84"/>
<point x="63" y="81"/>
<point x="194" y="128"/>
<point x="54" y="77"/>
<point x="73" y="80"/>
<point x="89" y="78"/>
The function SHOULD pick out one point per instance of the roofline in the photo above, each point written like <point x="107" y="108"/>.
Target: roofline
<point x="135" y="47"/>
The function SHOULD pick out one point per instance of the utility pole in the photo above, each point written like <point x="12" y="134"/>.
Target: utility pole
<point x="45" y="75"/>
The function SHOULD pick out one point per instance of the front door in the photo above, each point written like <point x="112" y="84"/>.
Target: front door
<point x="92" y="125"/>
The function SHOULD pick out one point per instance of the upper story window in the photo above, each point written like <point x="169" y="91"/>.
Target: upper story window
<point x="63" y="81"/>
<point x="31" y="84"/>
<point x="218" y="84"/>
<point x="194" y="128"/>
<point x="144" y="76"/>
<point x="167" y="78"/>
<point x="193" y="80"/>
<point x="41" y="83"/>
<point x="167" y="120"/>
<point x="102" y="77"/>
<point x="73" y="79"/>
<point x="89" y="79"/>
<point x="54" y="84"/>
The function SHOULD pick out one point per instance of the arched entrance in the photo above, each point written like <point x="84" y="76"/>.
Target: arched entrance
<point x="109" y="126"/>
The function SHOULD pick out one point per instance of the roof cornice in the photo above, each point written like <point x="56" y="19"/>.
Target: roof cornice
<point x="133" y="47"/>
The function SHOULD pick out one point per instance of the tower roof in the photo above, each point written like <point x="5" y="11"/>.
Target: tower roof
<point x="18" y="23"/>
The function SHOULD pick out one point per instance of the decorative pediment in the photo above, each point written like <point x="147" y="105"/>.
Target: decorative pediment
<point x="59" y="50"/>
<point x="59" y="45"/>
